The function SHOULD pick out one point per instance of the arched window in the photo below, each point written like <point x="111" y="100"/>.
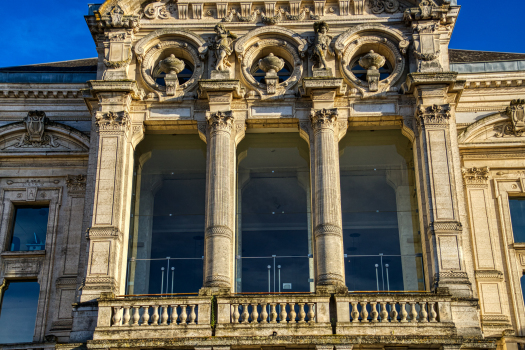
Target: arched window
<point x="167" y="232"/>
<point x="382" y="242"/>
<point x="273" y="214"/>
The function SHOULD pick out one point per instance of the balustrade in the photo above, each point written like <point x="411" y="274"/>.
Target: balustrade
<point x="273" y="312"/>
<point x="393" y="311"/>
<point x="154" y="315"/>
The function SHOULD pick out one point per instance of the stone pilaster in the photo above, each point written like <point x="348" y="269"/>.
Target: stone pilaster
<point x="112" y="176"/>
<point x="327" y="220"/>
<point x="219" y="207"/>
<point x="440" y="175"/>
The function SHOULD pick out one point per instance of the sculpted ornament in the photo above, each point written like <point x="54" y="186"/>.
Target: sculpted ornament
<point x="433" y="115"/>
<point x="220" y="121"/>
<point x="380" y="6"/>
<point x="172" y="66"/>
<point x="112" y="120"/>
<point x="476" y="175"/>
<point x="271" y="65"/>
<point x="323" y="118"/>
<point x="321" y="44"/>
<point x="516" y="113"/>
<point x="222" y="46"/>
<point x="372" y="62"/>
<point x="158" y="10"/>
<point x="35" y="137"/>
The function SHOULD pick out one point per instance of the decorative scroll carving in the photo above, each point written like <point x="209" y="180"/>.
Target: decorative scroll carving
<point x="112" y="120"/>
<point x="220" y="121"/>
<point x="222" y="46"/>
<point x="476" y="175"/>
<point x="158" y="10"/>
<point x="516" y="113"/>
<point x="380" y="6"/>
<point x="433" y="115"/>
<point x="35" y="123"/>
<point x="76" y="183"/>
<point x="323" y="118"/>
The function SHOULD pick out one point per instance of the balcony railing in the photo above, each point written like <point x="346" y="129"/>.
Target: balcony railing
<point x="176" y="316"/>
<point x="275" y="314"/>
<point x="285" y="314"/>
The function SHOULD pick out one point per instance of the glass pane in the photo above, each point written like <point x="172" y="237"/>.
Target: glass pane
<point x="380" y="219"/>
<point x="273" y="214"/>
<point x="29" y="229"/>
<point x="517" y="214"/>
<point x="18" y="312"/>
<point x="168" y="215"/>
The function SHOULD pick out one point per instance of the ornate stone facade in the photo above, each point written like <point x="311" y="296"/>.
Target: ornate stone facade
<point x="172" y="67"/>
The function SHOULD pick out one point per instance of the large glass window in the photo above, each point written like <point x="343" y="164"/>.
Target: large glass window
<point x="517" y="214"/>
<point x="382" y="241"/>
<point x="18" y="312"/>
<point x="167" y="234"/>
<point x="29" y="229"/>
<point x="273" y="214"/>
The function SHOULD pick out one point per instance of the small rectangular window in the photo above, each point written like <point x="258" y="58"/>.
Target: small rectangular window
<point x="18" y="312"/>
<point x="29" y="229"/>
<point x="517" y="215"/>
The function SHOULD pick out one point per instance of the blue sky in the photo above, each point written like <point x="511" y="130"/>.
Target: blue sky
<point x="54" y="30"/>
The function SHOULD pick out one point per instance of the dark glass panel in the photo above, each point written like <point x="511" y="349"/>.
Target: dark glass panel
<point x="29" y="229"/>
<point x="18" y="312"/>
<point x="517" y="214"/>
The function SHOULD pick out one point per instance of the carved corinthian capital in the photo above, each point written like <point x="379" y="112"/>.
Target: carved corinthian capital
<point x="434" y="115"/>
<point x="476" y="175"/>
<point x="323" y="118"/>
<point x="112" y="121"/>
<point x="220" y="121"/>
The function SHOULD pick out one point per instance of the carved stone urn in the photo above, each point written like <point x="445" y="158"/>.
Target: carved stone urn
<point x="372" y="62"/>
<point x="271" y="65"/>
<point x="172" y="66"/>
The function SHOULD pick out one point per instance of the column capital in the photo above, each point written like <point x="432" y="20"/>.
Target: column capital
<point x="324" y="118"/>
<point x="220" y="121"/>
<point x="476" y="176"/>
<point x="433" y="115"/>
<point x="112" y="121"/>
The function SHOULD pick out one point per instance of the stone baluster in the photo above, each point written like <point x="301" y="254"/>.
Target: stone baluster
<point x="235" y="313"/>
<point x="116" y="316"/>
<point x="183" y="315"/>
<point x="264" y="313"/>
<point x="393" y="312"/>
<point x="155" y="316"/>
<point x="413" y="311"/>
<point x="302" y="314"/>
<point x="327" y="219"/>
<point x="127" y="316"/>
<point x="283" y="314"/>
<point x="245" y="315"/>
<point x="136" y="315"/>
<point x="255" y="315"/>
<point x="423" y="314"/>
<point x="403" y="311"/>
<point x="384" y="312"/>
<point x="433" y="313"/>
<point x="193" y="316"/>
<point x="145" y="316"/>
<point x="219" y="233"/>
<point x="164" y="317"/>
<point x="273" y="313"/>
<point x="355" y="312"/>
<point x="292" y="314"/>
<point x="174" y="316"/>
<point x="374" y="312"/>
<point x="364" y="311"/>
<point x="311" y="312"/>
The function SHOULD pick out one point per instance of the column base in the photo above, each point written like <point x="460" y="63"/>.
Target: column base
<point x="323" y="289"/>
<point x="218" y="291"/>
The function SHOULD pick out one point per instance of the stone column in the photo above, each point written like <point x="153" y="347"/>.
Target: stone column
<point x="327" y="220"/>
<point x="112" y="174"/>
<point x="219" y="225"/>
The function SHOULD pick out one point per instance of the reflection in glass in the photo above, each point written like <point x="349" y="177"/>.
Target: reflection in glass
<point x="381" y="235"/>
<point x="29" y="229"/>
<point x="18" y="312"/>
<point x="517" y="215"/>
<point x="273" y="214"/>
<point x="167" y="233"/>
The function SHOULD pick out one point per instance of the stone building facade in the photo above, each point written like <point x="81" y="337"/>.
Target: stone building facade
<point x="84" y="140"/>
